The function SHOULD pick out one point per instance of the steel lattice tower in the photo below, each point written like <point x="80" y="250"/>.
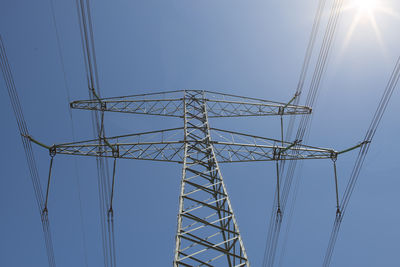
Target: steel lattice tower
<point x="207" y="231"/>
<point x="205" y="221"/>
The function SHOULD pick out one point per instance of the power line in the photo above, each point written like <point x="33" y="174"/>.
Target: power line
<point x="23" y="130"/>
<point x="68" y="95"/>
<point x="89" y="52"/>
<point x="276" y="218"/>
<point x="387" y="94"/>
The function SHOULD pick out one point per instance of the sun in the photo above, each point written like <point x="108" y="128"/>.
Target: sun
<point x="365" y="13"/>
<point x="366" y="7"/>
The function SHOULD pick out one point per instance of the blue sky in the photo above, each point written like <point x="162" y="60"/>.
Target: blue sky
<point x="253" y="48"/>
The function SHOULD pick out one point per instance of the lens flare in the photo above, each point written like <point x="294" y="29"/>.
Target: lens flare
<point x="366" y="7"/>
<point x="365" y="12"/>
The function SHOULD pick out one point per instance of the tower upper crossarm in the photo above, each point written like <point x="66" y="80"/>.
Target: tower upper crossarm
<point x="162" y="107"/>
<point x="171" y="104"/>
<point x="224" y="108"/>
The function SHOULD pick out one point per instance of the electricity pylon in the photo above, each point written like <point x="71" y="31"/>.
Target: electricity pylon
<point x="207" y="232"/>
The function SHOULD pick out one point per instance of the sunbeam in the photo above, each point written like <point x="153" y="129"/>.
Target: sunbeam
<point x="366" y="11"/>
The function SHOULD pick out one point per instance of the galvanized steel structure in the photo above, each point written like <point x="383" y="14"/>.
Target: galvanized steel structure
<point x="207" y="232"/>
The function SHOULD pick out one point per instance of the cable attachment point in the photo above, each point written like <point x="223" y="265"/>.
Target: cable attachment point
<point x="338" y="212"/>
<point x="334" y="155"/>
<point x="110" y="215"/>
<point x="297" y="142"/>
<point x="115" y="152"/>
<point x="365" y="142"/>
<point x="103" y="106"/>
<point x="277" y="153"/>
<point x="45" y="214"/>
<point x="281" y="110"/>
<point x="45" y="211"/>
<point x="110" y="211"/>
<point x="52" y="151"/>
<point x="279" y="215"/>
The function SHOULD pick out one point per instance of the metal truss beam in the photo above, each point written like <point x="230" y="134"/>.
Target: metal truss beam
<point x="171" y="104"/>
<point x="168" y="145"/>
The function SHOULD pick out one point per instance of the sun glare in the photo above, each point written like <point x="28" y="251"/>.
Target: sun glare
<point x="366" y="7"/>
<point x="365" y="12"/>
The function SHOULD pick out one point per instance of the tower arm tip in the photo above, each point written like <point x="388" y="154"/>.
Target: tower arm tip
<point x="354" y="147"/>
<point x="30" y="138"/>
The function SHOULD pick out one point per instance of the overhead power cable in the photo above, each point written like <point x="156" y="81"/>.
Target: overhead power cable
<point x="306" y="63"/>
<point x="68" y="95"/>
<point x="387" y="94"/>
<point x="275" y="223"/>
<point x="30" y="158"/>
<point x="89" y="52"/>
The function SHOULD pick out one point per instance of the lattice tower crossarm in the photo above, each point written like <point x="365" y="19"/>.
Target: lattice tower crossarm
<point x="168" y="145"/>
<point x="171" y="104"/>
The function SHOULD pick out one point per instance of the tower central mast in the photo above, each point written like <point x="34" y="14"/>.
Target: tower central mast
<point x="206" y="222"/>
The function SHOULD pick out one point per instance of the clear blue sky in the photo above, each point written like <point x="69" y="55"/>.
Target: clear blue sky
<point x="253" y="48"/>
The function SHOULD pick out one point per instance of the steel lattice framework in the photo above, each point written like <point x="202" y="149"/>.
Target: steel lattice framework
<point x="207" y="232"/>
